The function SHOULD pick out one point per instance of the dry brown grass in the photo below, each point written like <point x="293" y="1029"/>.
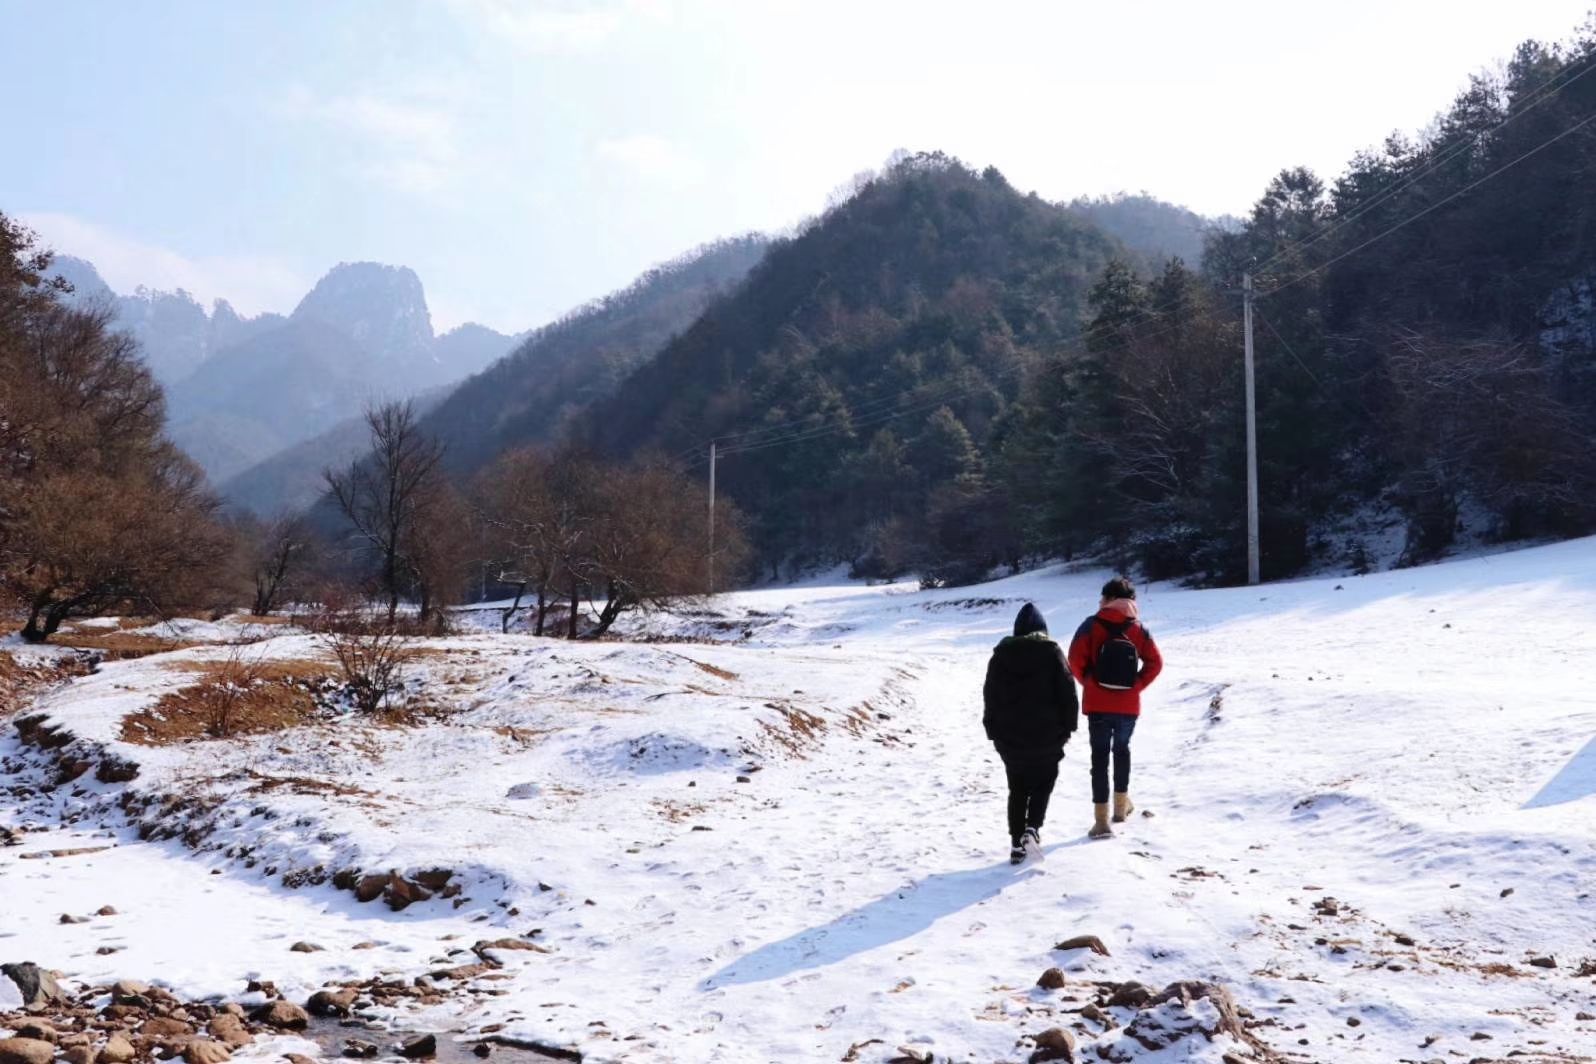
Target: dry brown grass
<point x="19" y="682"/>
<point x="279" y="695"/>
<point x="119" y="644"/>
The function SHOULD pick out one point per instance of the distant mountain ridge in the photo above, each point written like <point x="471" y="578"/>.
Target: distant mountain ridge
<point x="242" y="389"/>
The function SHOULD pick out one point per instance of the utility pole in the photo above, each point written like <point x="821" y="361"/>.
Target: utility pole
<point x="712" y="459"/>
<point x="1252" y="433"/>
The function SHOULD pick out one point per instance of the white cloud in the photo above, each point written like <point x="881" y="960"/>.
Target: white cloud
<point x="552" y="26"/>
<point x="251" y="283"/>
<point x="408" y="144"/>
<point x="649" y="155"/>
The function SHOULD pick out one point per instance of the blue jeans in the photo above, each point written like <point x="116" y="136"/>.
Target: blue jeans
<point x="1110" y="732"/>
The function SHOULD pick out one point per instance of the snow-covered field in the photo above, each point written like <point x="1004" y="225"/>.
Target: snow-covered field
<point x="1373" y="805"/>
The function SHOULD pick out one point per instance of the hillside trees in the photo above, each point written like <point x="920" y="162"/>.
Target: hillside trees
<point x="98" y="511"/>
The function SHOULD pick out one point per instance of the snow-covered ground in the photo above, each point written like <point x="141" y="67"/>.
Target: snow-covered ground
<point x="1373" y="804"/>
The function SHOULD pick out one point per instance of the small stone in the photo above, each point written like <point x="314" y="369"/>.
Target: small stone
<point x="1052" y="979"/>
<point x="357" y="1049"/>
<point x="26" y="1051"/>
<point x="230" y="1030"/>
<point x="205" y="1051"/>
<point x="332" y="1002"/>
<point x="482" y="1049"/>
<point x="744" y="779"/>
<point x="1404" y="940"/>
<point x="1353" y="1021"/>
<point x="38" y="1030"/>
<point x="79" y="1055"/>
<point x="1505" y="892"/>
<point x="165" y="1027"/>
<point x="1584" y="1016"/>
<point x="1133" y="994"/>
<point x="364" y="945"/>
<point x="68" y="918"/>
<point x="117" y="1050"/>
<point x="299" y="1058"/>
<point x="106" y="951"/>
<point x="305" y="947"/>
<point x="130" y="992"/>
<point x="1479" y="1036"/>
<point x="105" y="910"/>
<point x="1055" y="1043"/>
<point x="1543" y="962"/>
<point x="420" y="1047"/>
<point x="283" y="1015"/>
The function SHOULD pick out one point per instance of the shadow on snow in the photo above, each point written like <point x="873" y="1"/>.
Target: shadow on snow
<point x="1575" y="780"/>
<point x="897" y="915"/>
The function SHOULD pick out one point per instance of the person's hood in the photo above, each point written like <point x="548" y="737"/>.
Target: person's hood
<point x="1029" y="622"/>
<point x="1119" y="610"/>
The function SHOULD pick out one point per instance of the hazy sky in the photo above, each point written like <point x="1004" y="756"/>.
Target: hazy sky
<point x="524" y="157"/>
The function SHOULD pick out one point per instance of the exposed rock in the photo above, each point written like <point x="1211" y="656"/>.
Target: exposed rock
<point x="283" y="1015"/>
<point x="230" y="1030"/>
<point x="482" y="1049"/>
<point x="299" y="1058"/>
<point x="509" y="944"/>
<point x="1584" y="1016"/>
<point x="332" y="1002"/>
<point x="117" y="1050"/>
<point x="360" y="1050"/>
<point x="205" y="1051"/>
<point x="79" y="1055"/>
<point x="106" y="910"/>
<point x="26" y="1051"/>
<point x="1055" y="1043"/>
<point x="1092" y="1012"/>
<point x="306" y="947"/>
<point x="1052" y="979"/>
<point x="36" y="985"/>
<point x="420" y="1047"/>
<point x="1091" y="942"/>
<point x="130" y="992"/>
<point x="1544" y="962"/>
<point x="434" y="879"/>
<point x="38" y="1030"/>
<point x="402" y="893"/>
<point x="68" y="918"/>
<point x="1404" y="940"/>
<point x="1133" y="994"/>
<point x="163" y="1027"/>
<point x="370" y="888"/>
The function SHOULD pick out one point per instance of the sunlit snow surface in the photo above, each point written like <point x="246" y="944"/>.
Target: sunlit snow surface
<point x="1413" y="744"/>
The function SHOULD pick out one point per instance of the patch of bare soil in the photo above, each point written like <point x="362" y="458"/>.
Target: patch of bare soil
<point x="228" y="700"/>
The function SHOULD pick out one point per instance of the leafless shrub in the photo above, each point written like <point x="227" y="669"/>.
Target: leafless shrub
<point x="371" y="657"/>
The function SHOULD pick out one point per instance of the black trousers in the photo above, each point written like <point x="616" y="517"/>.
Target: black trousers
<point x="1031" y="780"/>
<point x="1110" y="733"/>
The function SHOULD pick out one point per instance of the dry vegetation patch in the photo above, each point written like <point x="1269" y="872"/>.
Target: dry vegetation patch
<point x="119" y="643"/>
<point x="233" y="698"/>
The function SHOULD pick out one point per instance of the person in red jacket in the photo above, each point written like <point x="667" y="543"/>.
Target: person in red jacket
<point x="1114" y="658"/>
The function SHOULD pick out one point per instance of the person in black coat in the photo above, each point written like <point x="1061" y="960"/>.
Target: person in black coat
<point x="1031" y="711"/>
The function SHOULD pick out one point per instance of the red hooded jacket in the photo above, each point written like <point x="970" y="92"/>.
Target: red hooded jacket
<point x="1089" y="639"/>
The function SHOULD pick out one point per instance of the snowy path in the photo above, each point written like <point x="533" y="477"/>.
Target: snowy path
<point x="1373" y="805"/>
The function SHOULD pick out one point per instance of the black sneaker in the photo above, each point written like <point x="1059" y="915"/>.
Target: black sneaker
<point x="1017" y="852"/>
<point x="1031" y="843"/>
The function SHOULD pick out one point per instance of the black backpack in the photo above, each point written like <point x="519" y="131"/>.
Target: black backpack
<point x="1117" y="662"/>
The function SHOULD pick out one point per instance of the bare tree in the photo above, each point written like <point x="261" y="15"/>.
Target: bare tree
<point x="281" y="551"/>
<point x="537" y="509"/>
<point x="383" y="493"/>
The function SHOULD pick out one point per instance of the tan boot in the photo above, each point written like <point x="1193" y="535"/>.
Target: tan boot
<point x="1100" y="828"/>
<point x="1122" y="808"/>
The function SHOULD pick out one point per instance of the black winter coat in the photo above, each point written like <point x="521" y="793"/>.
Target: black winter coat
<point x="1031" y="706"/>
